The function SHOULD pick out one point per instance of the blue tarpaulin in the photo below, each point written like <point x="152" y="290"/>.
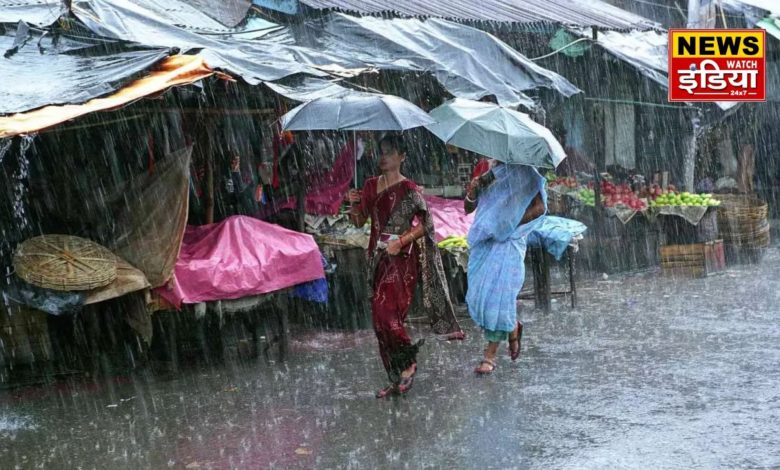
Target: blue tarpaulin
<point x="554" y="234"/>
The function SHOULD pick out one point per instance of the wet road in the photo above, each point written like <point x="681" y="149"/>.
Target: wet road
<point x="647" y="373"/>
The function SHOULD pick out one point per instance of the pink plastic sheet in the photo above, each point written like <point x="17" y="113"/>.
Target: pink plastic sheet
<point x="240" y="257"/>
<point x="449" y="217"/>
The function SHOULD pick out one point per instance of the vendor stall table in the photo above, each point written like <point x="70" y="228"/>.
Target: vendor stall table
<point x="540" y="268"/>
<point x="348" y="288"/>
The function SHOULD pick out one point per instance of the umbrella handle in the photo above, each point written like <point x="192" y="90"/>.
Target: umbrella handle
<point x="355" y="150"/>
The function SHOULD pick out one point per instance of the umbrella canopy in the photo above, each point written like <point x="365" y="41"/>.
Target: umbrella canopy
<point x="356" y="112"/>
<point x="490" y="130"/>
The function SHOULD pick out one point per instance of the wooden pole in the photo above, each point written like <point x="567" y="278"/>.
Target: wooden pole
<point x="300" y="196"/>
<point x="210" y="187"/>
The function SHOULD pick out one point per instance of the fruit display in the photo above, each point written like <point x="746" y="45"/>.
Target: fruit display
<point x="567" y="182"/>
<point x="670" y="198"/>
<point x="453" y="242"/>
<point x="655" y="190"/>
<point x="613" y="195"/>
<point x="587" y="196"/>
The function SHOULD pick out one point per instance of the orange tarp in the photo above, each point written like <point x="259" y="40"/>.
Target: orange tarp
<point x="175" y="70"/>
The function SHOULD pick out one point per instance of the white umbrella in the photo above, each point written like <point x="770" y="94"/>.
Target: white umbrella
<point x="356" y="112"/>
<point x="496" y="132"/>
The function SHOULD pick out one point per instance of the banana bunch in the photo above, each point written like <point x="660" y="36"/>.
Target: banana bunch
<point x="450" y="243"/>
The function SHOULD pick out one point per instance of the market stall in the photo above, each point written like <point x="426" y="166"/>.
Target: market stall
<point x="235" y="265"/>
<point x="344" y="246"/>
<point x="641" y="222"/>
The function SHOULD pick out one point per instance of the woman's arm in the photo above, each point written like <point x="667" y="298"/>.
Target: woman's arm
<point x="534" y="210"/>
<point x="470" y="202"/>
<point x="357" y="214"/>
<point x="395" y="246"/>
<point x="413" y="234"/>
<point x="475" y="187"/>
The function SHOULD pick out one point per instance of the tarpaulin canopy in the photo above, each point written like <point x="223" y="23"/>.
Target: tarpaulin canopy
<point x="173" y="71"/>
<point x="241" y="257"/>
<point x="144" y="22"/>
<point x="468" y="62"/>
<point x="36" y="12"/>
<point x="568" y="12"/>
<point x="169" y="21"/>
<point x="41" y="70"/>
<point x="752" y="7"/>
<point x="647" y="51"/>
<point x="310" y="88"/>
<point x="771" y="25"/>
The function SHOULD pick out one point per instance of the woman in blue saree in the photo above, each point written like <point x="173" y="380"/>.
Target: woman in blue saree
<point x="509" y="200"/>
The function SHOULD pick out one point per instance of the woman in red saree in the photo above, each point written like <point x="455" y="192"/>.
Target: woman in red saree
<point x="401" y="251"/>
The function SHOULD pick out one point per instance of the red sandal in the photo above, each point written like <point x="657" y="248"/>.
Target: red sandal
<point x="406" y="382"/>
<point x="514" y="353"/>
<point x="391" y="389"/>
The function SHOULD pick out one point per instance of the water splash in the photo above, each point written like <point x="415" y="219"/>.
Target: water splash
<point x="13" y="424"/>
<point x="5" y="145"/>
<point x="19" y="182"/>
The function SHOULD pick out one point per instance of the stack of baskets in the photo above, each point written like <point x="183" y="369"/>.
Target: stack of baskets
<point x="744" y="226"/>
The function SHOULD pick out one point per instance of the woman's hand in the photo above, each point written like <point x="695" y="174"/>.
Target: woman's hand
<point x="354" y="196"/>
<point x="394" y="247"/>
<point x="472" y="188"/>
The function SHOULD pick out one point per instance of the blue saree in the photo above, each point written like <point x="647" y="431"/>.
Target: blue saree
<point x="497" y="245"/>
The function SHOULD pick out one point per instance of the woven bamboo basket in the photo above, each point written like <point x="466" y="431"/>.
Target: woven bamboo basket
<point x="65" y="263"/>
<point x="742" y="221"/>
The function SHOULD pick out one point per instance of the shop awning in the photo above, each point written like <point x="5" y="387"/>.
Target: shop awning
<point x="309" y="88"/>
<point x="468" y="62"/>
<point x="36" y="12"/>
<point x="771" y="25"/>
<point x="128" y="39"/>
<point x="565" y="12"/>
<point x="172" y="71"/>
<point x="47" y="69"/>
<point x="646" y="51"/>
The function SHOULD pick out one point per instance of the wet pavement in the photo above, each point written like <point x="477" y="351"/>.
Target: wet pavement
<point x="648" y="372"/>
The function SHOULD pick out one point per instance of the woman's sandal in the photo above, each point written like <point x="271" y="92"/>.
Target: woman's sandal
<point x="514" y="353"/>
<point x="489" y="362"/>
<point x="406" y="382"/>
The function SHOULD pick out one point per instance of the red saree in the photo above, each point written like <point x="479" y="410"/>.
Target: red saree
<point x="393" y="279"/>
